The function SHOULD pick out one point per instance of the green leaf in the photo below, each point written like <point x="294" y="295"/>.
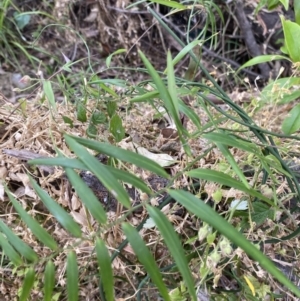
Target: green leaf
<point x="105" y="271"/>
<point x="91" y="131"/>
<point x="168" y="3"/>
<point x="98" y="117"/>
<point x="109" y="58"/>
<point x="224" y="179"/>
<point x="22" y="20"/>
<point x="9" y="251"/>
<point x="291" y="38"/>
<point x="40" y="233"/>
<point x="18" y="243"/>
<point x="27" y="285"/>
<point x="68" y="121"/>
<point x="87" y="196"/>
<point x="49" y="281"/>
<point x="297" y="11"/>
<point x="262" y="59"/>
<point x="145" y="258"/>
<point x="172" y="84"/>
<point x="116" y="128"/>
<point x="285" y="3"/>
<point x="72" y="277"/>
<point x="47" y="87"/>
<point x="56" y="210"/>
<point x="291" y="123"/>
<point x="111" y="108"/>
<point x="208" y="215"/>
<point x="123" y="155"/>
<point x="260" y="213"/>
<point x="100" y="171"/>
<point x="77" y="164"/>
<point x="145" y="96"/>
<point x="175" y="248"/>
<point x="81" y="112"/>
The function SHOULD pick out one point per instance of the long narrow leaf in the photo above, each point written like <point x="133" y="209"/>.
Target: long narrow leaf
<point x="77" y="164"/>
<point x="72" y="277"/>
<point x="27" y="284"/>
<point x="208" y="215"/>
<point x="106" y="273"/>
<point x="57" y="211"/>
<point x="123" y="155"/>
<point x="18" y="243"/>
<point x="49" y="281"/>
<point x="40" y="233"/>
<point x="145" y="258"/>
<point x="100" y="171"/>
<point x="173" y="243"/>
<point x="9" y="251"/>
<point x="224" y="179"/>
<point x="87" y="196"/>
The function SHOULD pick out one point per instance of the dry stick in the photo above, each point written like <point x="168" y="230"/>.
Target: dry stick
<point x="249" y="39"/>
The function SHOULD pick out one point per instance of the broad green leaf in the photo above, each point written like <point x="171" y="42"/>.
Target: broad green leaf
<point x="224" y="179"/>
<point x="27" y="284"/>
<point x="49" y="281"/>
<point x="87" y="196"/>
<point x="109" y="58"/>
<point x="81" y="112"/>
<point x="145" y="258"/>
<point x="91" y="131"/>
<point x="56" y="210"/>
<point x="72" y="277"/>
<point x="123" y="155"/>
<point x="47" y="87"/>
<point x="121" y="175"/>
<point x="285" y="3"/>
<point x="98" y="117"/>
<point x="208" y="215"/>
<point x="175" y="248"/>
<point x="262" y="59"/>
<point x="100" y="171"/>
<point x="68" y="121"/>
<point x="291" y="123"/>
<point x="105" y="271"/>
<point x="18" y="243"/>
<point x="116" y="128"/>
<point x="291" y="38"/>
<point x="111" y="108"/>
<point x="9" y="251"/>
<point x="22" y="20"/>
<point x="297" y="11"/>
<point x="40" y="233"/>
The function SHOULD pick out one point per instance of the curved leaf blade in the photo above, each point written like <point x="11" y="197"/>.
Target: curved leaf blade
<point x="18" y="243"/>
<point x="174" y="245"/>
<point x="208" y="215"/>
<point x="291" y="123"/>
<point x="27" y="284"/>
<point x="9" y="251"/>
<point x="56" y="210"/>
<point x="40" y="233"/>
<point x="145" y="258"/>
<point x="106" y="273"/>
<point x="100" y="171"/>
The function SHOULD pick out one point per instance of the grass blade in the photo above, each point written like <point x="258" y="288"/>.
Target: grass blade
<point x="87" y="196"/>
<point x="72" y="277"/>
<point x="105" y="271"/>
<point x="27" y="284"/>
<point x="100" y="171"/>
<point x="9" y="251"/>
<point x="146" y="259"/>
<point x="18" y="243"/>
<point x="40" y="233"/>
<point x="49" y="281"/>
<point x="208" y="215"/>
<point x="57" y="211"/>
<point x="174" y="245"/>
